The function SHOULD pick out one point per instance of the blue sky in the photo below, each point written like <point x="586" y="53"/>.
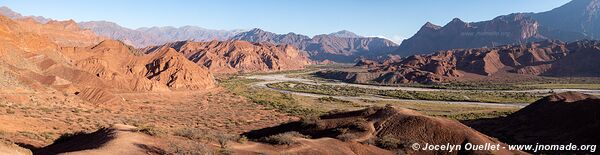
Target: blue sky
<point x="393" y="19"/>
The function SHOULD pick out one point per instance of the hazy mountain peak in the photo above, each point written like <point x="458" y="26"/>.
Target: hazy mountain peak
<point x="6" y="11"/>
<point x="257" y="30"/>
<point x="345" y="34"/>
<point x="430" y="25"/>
<point x="9" y="12"/>
<point x="456" y="22"/>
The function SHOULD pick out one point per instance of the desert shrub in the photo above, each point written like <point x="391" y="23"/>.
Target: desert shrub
<point x="192" y="134"/>
<point x="388" y="142"/>
<point x="242" y="139"/>
<point x="307" y="121"/>
<point x="223" y="140"/>
<point x="283" y="138"/>
<point x="195" y="148"/>
<point x="346" y="137"/>
<point x="332" y="99"/>
<point x="150" y="130"/>
<point x="370" y="141"/>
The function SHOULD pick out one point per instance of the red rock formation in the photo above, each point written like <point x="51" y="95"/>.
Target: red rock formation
<point x="547" y="58"/>
<point x="34" y="62"/>
<point x="63" y="33"/>
<point x="239" y="56"/>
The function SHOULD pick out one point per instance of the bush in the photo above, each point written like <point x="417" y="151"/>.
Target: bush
<point x="283" y="138"/>
<point x="388" y="142"/>
<point x="150" y="130"/>
<point x="242" y="139"/>
<point x="189" y="133"/>
<point x="346" y="137"/>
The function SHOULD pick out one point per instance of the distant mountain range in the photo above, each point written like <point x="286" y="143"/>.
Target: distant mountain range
<point x="576" y="20"/>
<point x="143" y="37"/>
<point x="342" y="46"/>
<point x="14" y="15"/>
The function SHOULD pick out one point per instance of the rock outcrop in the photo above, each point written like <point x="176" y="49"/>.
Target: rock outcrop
<point x="546" y="58"/>
<point x="580" y="16"/>
<point x="117" y="63"/>
<point x="238" y="56"/>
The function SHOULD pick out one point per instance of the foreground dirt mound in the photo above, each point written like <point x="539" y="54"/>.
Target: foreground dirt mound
<point x="387" y="127"/>
<point x="321" y="146"/>
<point x="118" y="139"/>
<point x="12" y="149"/>
<point x="563" y="118"/>
<point x="238" y="56"/>
<point x="546" y="58"/>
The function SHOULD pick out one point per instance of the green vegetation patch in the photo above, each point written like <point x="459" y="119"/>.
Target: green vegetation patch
<point x="467" y="96"/>
<point x="282" y="102"/>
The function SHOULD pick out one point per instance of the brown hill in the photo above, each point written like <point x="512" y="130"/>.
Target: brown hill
<point x="116" y="63"/>
<point x="238" y="56"/>
<point x="12" y="149"/>
<point x="563" y="118"/>
<point x="546" y="58"/>
<point x="32" y="62"/>
<point x="388" y="127"/>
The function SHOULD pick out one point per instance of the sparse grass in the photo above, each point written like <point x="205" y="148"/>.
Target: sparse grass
<point x="281" y="102"/>
<point x="190" y="133"/>
<point x="561" y="86"/>
<point x="478" y="115"/>
<point x="388" y="142"/>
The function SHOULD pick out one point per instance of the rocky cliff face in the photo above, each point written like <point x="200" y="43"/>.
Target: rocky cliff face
<point x="508" y="29"/>
<point x="580" y="16"/>
<point x="546" y="58"/>
<point x="576" y="20"/>
<point x="343" y="46"/>
<point x="238" y="56"/>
